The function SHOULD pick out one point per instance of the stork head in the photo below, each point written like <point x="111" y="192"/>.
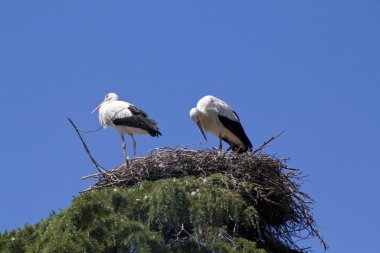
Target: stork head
<point x="108" y="98"/>
<point x="111" y="97"/>
<point x="194" y="115"/>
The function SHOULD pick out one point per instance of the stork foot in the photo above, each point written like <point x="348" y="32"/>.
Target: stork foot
<point x="126" y="160"/>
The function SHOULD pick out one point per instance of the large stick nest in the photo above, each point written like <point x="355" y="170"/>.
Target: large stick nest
<point x="265" y="183"/>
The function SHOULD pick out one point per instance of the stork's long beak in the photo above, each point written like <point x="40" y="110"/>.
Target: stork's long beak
<point x="201" y="129"/>
<point x="97" y="108"/>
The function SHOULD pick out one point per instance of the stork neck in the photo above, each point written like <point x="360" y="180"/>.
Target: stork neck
<point x="102" y="106"/>
<point x="201" y="113"/>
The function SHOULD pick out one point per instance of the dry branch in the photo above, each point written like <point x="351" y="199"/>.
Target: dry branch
<point x="267" y="142"/>
<point x="100" y="168"/>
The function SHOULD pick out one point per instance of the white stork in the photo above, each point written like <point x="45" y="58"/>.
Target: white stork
<point x="126" y="118"/>
<point x="217" y="117"/>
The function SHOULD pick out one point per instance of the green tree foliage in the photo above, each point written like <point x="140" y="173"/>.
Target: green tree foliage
<point x="170" y="215"/>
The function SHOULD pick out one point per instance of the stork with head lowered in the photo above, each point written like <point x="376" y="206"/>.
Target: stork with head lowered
<point x="215" y="116"/>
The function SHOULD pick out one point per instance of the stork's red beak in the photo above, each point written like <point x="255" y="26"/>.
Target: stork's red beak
<point x="97" y="108"/>
<point x="201" y="129"/>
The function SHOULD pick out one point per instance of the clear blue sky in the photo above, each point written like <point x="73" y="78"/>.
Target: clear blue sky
<point x="311" y="68"/>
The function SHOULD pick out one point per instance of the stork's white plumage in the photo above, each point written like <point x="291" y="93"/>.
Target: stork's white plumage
<point x="217" y="117"/>
<point x="126" y="118"/>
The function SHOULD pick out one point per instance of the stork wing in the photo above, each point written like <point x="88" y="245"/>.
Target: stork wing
<point x="132" y="116"/>
<point x="121" y="110"/>
<point x="237" y="129"/>
<point x="121" y="113"/>
<point x="139" y="121"/>
<point x="137" y="111"/>
<point x="237" y="116"/>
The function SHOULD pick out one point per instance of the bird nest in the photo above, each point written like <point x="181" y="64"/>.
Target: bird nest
<point x="264" y="182"/>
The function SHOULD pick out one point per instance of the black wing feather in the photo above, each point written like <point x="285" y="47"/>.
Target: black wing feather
<point x="237" y="116"/>
<point x="137" y="111"/>
<point x="237" y="129"/>
<point x="139" y="119"/>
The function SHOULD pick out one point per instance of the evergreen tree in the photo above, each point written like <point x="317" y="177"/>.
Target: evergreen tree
<point x="179" y="200"/>
<point x="170" y="215"/>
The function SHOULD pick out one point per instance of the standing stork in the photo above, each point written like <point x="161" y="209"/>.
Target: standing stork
<point x="126" y="118"/>
<point x="217" y="117"/>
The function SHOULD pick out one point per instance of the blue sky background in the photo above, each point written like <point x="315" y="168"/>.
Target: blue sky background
<point x="308" y="67"/>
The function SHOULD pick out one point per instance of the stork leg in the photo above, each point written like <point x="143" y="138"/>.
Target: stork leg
<point x="124" y="146"/>
<point x="220" y="145"/>
<point x="134" y="146"/>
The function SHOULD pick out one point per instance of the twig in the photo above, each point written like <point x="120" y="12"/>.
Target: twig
<point x="267" y="142"/>
<point x="183" y="230"/>
<point x="91" y="176"/>
<point x="90" y="131"/>
<point x="97" y="165"/>
<point x="102" y="126"/>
